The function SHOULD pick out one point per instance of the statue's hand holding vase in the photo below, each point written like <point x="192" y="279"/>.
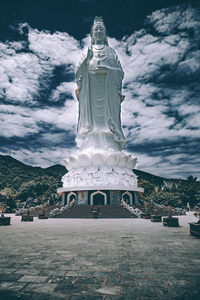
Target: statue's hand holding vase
<point x="101" y="69"/>
<point x="89" y="54"/>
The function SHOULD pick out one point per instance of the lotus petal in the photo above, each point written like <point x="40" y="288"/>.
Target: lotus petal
<point x="66" y="163"/>
<point x="132" y="163"/>
<point x="98" y="159"/>
<point x="84" y="160"/>
<point x="73" y="162"/>
<point x="124" y="161"/>
<point x="112" y="160"/>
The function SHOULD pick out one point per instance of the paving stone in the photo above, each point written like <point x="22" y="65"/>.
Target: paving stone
<point x="20" y="266"/>
<point x="110" y="278"/>
<point x="15" y="286"/>
<point x="71" y="289"/>
<point x="13" y="295"/>
<point x="90" y="280"/>
<point x="4" y="260"/>
<point x="6" y="265"/>
<point x="48" y="267"/>
<point x="56" y="272"/>
<point x="48" y="297"/>
<point x="27" y="271"/>
<point x="9" y="277"/>
<point x="55" y="279"/>
<point x="83" y="259"/>
<point x="87" y="297"/>
<point x="94" y="268"/>
<point x="138" y="292"/>
<point x="150" y="283"/>
<point x="71" y="267"/>
<point x="78" y="273"/>
<point x="104" y="290"/>
<point x="105" y="274"/>
<point x="69" y="280"/>
<point x="39" y="288"/>
<point x="7" y="270"/>
<point x="29" y="278"/>
<point x="121" y="298"/>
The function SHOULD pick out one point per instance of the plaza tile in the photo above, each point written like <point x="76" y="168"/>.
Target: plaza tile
<point x="99" y="259"/>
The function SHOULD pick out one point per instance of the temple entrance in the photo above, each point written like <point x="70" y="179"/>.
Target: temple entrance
<point x="70" y="197"/>
<point x="98" y="198"/>
<point x="128" y="198"/>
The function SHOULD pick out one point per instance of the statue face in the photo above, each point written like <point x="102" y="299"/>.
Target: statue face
<point x="99" y="32"/>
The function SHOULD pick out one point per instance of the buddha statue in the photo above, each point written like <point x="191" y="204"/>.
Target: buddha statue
<point x="99" y="79"/>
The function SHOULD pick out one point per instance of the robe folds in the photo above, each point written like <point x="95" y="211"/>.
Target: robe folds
<point x="99" y="96"/>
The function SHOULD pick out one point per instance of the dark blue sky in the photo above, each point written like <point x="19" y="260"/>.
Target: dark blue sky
<point x="121" y="17"/>
<point x="159" y="49"/>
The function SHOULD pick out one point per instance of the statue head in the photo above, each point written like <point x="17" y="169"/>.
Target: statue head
<point x="98" y="32"/>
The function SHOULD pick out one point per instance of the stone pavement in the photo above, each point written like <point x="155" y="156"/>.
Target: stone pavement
<point x="98" y="259"/>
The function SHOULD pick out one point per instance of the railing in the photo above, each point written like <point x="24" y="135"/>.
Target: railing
<point x="135" y="211"/>
<point x="58" y="211"/>
<point x="66" y="207"/>
<point x="178" y="210"/>
<point x="157" y="205"/>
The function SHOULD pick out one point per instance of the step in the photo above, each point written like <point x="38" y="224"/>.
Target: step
<point x="105" y="211"/>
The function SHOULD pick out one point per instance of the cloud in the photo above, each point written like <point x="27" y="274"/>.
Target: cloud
<point x="44" y="156"/>
<point x="24" y="73"/>
<point x="160" y="113"/>
<point x="19" y="75"/>
<point x="58" y="48"/>
<point x="163" y="72"/>
<point x="17" y="121"/>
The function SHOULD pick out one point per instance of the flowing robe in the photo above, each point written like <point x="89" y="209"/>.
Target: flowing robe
<point x="99" y="95"/>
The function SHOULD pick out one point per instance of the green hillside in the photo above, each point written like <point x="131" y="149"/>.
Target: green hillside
<point x="14" y="173"/>
<point x="19" y="181"/>
<point x="155" y="180"/>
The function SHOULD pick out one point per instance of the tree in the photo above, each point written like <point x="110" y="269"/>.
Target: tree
<point x="7" y="199"/>
<point x="165" y="198"/>
<point x="26" y="190"/>
<point x="147" y="186"/>
<point x="189" y="191"/>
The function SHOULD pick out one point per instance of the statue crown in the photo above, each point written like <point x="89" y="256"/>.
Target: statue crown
<point x="98" y="20"/>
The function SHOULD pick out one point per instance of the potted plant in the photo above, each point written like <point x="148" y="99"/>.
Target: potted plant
<point x="195" y="226"/>
<point x="146" y="214"/>
<point x="170" y="221"/>
<point x="43" y="215"/>
<point x="4" y="220"/>
<point x="27" y="217"/>
<point x="156" y="217"/>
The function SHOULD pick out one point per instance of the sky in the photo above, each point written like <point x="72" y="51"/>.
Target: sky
<point x="158" y="45"/>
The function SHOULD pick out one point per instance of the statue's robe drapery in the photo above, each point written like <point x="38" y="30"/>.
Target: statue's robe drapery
<point x="99" y="95"/>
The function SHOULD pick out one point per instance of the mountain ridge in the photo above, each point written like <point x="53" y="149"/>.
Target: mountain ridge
<point x="27" y="172"/>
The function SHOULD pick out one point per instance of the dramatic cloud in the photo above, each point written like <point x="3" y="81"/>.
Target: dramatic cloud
<point x="160" y="114"/>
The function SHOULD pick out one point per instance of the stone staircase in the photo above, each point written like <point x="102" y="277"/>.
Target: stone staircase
<point x="106" y="212"/>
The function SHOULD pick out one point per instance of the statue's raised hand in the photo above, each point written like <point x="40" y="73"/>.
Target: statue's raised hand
<point x="100" y="67"/>
<point x="89" y="54"/>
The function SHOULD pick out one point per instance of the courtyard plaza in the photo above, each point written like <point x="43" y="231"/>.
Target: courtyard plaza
<point x="98" y="259"/>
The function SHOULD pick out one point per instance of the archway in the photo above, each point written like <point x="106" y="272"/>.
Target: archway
<point x="71" y="196"/>
<point x="128" y="198"/>
<point x="98" y="198"/>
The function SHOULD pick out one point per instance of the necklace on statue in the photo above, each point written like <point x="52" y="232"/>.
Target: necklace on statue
<point x="97" y="48"/>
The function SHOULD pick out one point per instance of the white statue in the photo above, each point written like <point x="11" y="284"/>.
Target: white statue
<point x="99" y="79"/>
<point x="99" y="161"/>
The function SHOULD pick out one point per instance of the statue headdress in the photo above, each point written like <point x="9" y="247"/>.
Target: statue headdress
<point x="98" y="20"/>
